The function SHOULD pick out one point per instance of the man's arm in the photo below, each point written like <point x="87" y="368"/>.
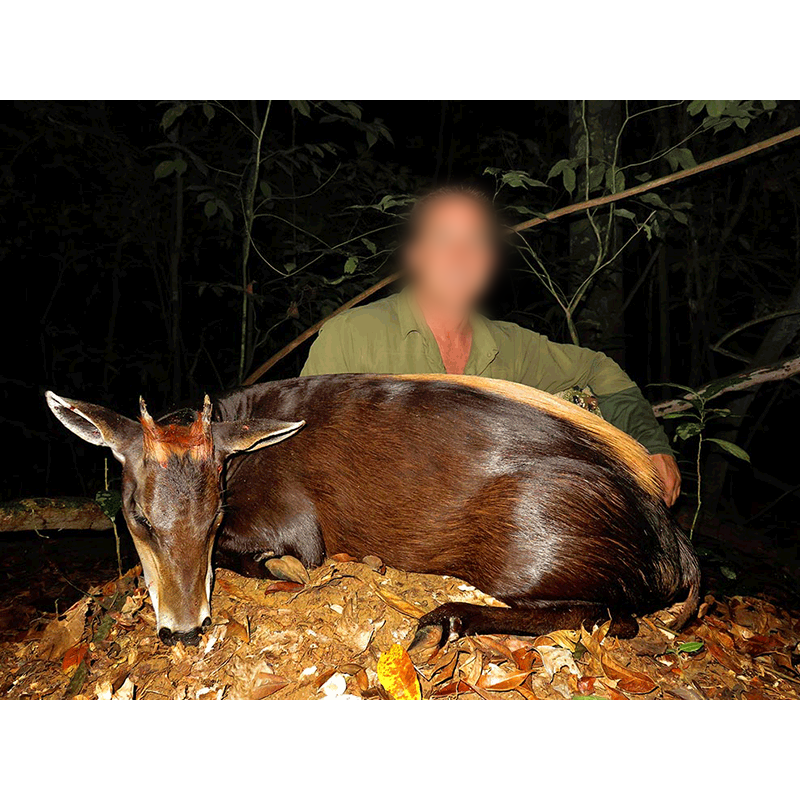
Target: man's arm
<point x="629" y="411"/>
<point x="555" y="367"/>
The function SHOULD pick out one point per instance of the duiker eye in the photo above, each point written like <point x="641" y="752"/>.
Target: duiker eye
<point x="141" y="519"/>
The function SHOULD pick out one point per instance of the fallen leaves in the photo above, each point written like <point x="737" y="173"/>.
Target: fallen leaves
<point x="341" y="635"/>
<point x="398" y="676"/>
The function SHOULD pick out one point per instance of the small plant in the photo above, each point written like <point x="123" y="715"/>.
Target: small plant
<point x="697" y="419"/>
<point x="110" y="502"/>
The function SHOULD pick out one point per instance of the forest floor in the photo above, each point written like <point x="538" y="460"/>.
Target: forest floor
<point x="343" y="634"/>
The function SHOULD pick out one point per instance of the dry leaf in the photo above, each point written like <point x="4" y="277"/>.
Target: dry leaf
<point x="373" y="562"/>
<point x="491" y="645"/>
<point x="403" y="606"/>
<point x="612" y="692"/>
<point x="566" y="639"/>
<point x="472" y="668"/>
<point x="397" y="675"/>
<point x="267" y="685"/>
<point x="455" y="687"/>
<point x="627" y="679"/>
<point x="335" y="686"/>
<point x="445" y="667"/>
<point x="343" y="558"/>
<point x="125" y="692"/>
<point x="62" y="634"/>
<point x="504" y="683"/>
<point x="554" y="659"/>
<point x="237" y="630"/>
<point x="73" y="657"/>
<point x="525" y="658"/>
<point x="723" y="657"/>
<point x="287" y="568"/>
<point x="283" y="586"/>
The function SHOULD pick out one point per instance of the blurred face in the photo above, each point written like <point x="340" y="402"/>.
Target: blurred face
<point x="453" y="254"/>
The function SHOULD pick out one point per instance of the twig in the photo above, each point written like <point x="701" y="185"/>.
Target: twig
<point x="766" y="318"/>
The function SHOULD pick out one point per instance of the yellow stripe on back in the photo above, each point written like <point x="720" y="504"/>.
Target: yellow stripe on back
<point x="624" y="447"/>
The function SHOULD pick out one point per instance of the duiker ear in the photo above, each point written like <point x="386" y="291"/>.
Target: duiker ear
<point x="251" y="434"/>
<point x="95" y="424"/>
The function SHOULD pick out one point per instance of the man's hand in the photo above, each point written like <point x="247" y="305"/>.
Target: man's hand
<point x="667" y="468"/>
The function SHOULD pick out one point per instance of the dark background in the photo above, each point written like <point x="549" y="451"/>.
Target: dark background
<point x="126" y="227"/>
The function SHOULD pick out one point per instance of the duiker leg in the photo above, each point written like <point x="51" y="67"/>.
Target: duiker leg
<point x="536" y="618"/>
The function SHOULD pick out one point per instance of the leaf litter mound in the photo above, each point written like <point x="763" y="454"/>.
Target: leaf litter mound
<point x="343" y="633"/>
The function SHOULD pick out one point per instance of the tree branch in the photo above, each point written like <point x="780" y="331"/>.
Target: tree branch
<point x="736" y="383"/>
<point x="46" y="514"/>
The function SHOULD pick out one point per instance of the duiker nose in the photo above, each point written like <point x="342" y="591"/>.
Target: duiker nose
<point x="169" y="637"/>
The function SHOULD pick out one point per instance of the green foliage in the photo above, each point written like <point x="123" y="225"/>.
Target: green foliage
<point x="699" y="417"/>
<point x="721" y="114"/>
<point x="172" y="114"/>
<point x="516" y="178"/>
<point x="730" y="448"/>
<point x="110" y="502"/>
<point x="166" y="168"/>
<point x="566" y="169"/>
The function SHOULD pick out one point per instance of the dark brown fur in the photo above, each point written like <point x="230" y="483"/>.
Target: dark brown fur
<point x="533" y="507"/>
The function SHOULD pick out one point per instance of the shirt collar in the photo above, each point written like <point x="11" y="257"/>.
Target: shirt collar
<point x="484" y="346"/>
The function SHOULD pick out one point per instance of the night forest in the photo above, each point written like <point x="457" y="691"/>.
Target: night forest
<point x="169" y="249"/>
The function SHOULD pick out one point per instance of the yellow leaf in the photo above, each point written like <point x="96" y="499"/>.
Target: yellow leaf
<point x="397" y="675"/>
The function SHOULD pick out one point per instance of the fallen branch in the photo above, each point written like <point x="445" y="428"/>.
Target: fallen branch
<point x="531" y="223"/>
<point x="48" y="514"/>
<point x="736" y="383"/>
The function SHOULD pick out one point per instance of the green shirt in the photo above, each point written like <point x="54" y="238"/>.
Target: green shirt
<point x="391" y="337"/>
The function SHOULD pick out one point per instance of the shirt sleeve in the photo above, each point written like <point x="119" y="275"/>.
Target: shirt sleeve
<point x="629" y="411"/>
<point x="331" y="352"/>
<point x="554" y="367"/>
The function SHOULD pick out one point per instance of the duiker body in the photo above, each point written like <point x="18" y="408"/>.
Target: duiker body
<point x="527" y="497"/>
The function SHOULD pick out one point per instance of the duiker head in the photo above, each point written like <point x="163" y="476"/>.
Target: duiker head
<point x="171" y="496"/>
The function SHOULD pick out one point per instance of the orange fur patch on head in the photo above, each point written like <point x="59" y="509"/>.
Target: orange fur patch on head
<point x="162" y="441"/>
<point x="622" y="446"/>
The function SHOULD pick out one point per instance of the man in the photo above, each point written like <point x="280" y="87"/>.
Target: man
<point x="432" y="326"/>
